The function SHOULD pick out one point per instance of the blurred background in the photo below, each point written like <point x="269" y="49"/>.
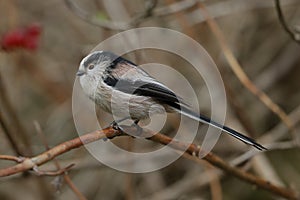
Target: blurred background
<point x="42" y="43"/>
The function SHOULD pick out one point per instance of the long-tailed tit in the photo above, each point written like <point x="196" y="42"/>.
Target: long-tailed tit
<point x="110" y="80"/>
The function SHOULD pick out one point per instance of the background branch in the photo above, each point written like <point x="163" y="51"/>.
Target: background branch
<point x="110" y="132"/>
<point x="293" y="35"/>
<point x="12" y="131"/>
<point x="59" y="171"/>
<point x="111" y="25"/>
<point x="38" y="85"/>
<point x="242" y="76"/>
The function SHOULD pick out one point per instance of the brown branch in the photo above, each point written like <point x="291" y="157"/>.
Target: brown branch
<point x="29" y="163"/>
<point x="218" y="162"/>
<point x="272" y="137"/>
<point x="294" y="36"/>
<point x="110" y="132"/>
<point x="58" y="172"/>
<point x="237" y="69"/>
<point x="74" y="188"/>
<point x="12" y="158"/>
<point x="215" y="184"/>
<point x="59" y="169"/>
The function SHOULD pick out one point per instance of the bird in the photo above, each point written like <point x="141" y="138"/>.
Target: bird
<point x="117" y="85"/>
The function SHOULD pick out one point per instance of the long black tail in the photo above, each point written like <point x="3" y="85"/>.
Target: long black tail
<point x="187" y="112"/>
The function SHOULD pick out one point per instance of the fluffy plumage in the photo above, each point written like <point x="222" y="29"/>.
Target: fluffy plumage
<point x="117" y="85"/>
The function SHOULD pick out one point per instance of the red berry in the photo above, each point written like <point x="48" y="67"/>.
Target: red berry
<point x="26" y="38"/>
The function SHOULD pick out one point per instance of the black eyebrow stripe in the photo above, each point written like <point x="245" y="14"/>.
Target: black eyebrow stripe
<point x="91" y="59"/>
<point x="106" y="54"/>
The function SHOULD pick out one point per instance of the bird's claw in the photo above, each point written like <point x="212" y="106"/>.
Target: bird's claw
<point x="116" y="127"/>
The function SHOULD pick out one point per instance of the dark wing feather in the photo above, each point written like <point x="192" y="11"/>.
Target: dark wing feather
<point x="144" y="88"/>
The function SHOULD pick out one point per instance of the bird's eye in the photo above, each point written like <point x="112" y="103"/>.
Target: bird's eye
<point x="91" y="66"/>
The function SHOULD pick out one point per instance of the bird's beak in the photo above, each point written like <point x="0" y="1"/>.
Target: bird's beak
<point x="80" y="73"/>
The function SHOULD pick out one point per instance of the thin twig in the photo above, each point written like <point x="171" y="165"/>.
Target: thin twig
<point x="29" y="163"/>
<point x="110" y="132"/>
<point x="12" y="158"/>
<point x="220" y="9"/>
<point x="183" y="21"/>
<point x="238" y="108"/>
<point x="294" y="36"/>
<point x="60" y="170"/>
<point x="9" y="136"/>
<point x="262" y="168"/>
<point x="13" y="136"/>
<point x="174" y="8"/>
<point x="53" y="173"/>
<point x="271" y="147"/>
<point x="242" y="76"/>
<point x="110" y="25"/>
<point x="215" y="185"/>
<point x="148" y="12"/>
<point x="218" y="162"/>
<point x="273" y="136"/>
<point x="281" y="65"/>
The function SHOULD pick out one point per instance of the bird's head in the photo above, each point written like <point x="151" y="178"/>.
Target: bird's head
<point x="96" y="64"/>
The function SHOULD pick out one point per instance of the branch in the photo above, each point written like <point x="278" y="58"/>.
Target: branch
<point x="60" y="170"/>
<point x="29" y="163"/>
<point x="174" y="8"/>
<point x="8" y="134"/>
<point x="218" y="162"/>
<point x="242" y="76"/>
<point x="92" y="20"/>
<point x="148" y="12"/>
<point x="294" y="36"/>
<point x="110" y="25"/>
<point x="110" y="132"/>
<point x="12" y="158"/>
<point x="11" y="132"/>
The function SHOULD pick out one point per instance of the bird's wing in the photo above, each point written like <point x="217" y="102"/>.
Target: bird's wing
<point x="131" y="79"/>
<point x="146" y="88"/>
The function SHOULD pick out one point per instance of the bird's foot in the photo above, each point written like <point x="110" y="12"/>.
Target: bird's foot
<point x="115" y="126"/>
